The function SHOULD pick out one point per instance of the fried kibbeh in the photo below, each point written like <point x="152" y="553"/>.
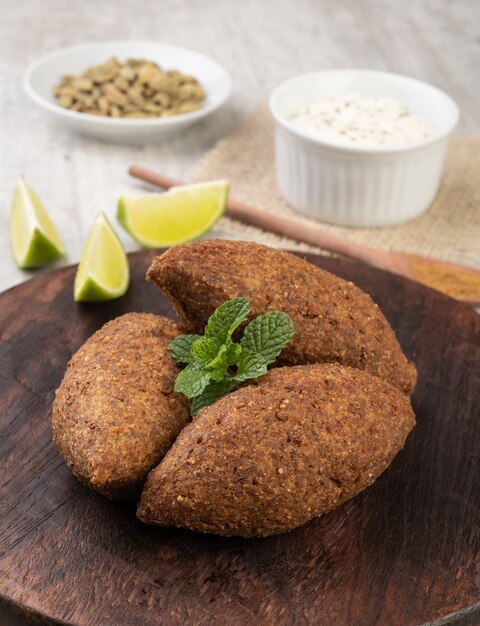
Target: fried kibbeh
<point x="335" y="321"/>
<point x="115" y="413"/>
<point x="277" y="453"/>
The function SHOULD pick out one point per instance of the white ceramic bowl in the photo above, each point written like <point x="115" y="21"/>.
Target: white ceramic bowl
<point x="42" y="76"/>
<point x="359" y="186"/>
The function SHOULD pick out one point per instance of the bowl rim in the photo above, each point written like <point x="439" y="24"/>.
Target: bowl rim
<point x="313" y="137"/>
<point x="122" y="122"/>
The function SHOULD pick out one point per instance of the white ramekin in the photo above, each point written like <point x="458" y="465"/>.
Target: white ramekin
<point x="350" y="185"/>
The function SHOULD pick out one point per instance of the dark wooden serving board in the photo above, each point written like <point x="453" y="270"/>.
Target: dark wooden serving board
<point x="404" y="552"/>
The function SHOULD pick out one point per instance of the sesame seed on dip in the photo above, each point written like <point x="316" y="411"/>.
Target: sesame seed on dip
<point x="363" y="121"/>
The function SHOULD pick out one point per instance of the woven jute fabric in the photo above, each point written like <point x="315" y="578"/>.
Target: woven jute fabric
<point x="449" y="229"/>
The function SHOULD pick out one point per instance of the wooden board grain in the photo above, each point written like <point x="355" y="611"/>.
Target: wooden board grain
<point x="404" y="552"/>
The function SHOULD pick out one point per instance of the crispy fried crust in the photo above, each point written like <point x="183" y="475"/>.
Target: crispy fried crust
<point x="273" y="455"/>
<point x="115" y="413"/>
<point x="335" y="321"/>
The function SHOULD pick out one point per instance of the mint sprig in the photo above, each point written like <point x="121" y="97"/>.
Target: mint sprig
<point x="216" y="364"/>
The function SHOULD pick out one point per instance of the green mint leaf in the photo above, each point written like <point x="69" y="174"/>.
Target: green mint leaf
<point x="228" y="354"/>
<point x="211" y="393"/>
<point x="192" y="380"/>
<point x="227" y="318"/>
<point x="217" y="373"/>
<point x="233" y="353"/>
<point x="251" y="365"/>
<point x="180" y="348"/>
<point x="220" y="361"/>
<point x="268" y="334"/>
<point x="205" y="350"/>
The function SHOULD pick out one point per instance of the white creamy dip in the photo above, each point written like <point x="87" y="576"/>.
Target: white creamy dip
<point x="360" y="120"/>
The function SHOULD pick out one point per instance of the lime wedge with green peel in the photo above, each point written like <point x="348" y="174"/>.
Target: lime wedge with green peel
<point x="103" y="272"/>
<point x="181" y="214"/>
<point x="35" y="240"/>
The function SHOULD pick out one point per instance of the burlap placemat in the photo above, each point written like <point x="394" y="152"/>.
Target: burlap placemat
<point x="449" y="230"/>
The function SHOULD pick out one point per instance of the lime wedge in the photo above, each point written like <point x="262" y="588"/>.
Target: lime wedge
<point x="35" y="240"/>
<point x="103" y="272"/>
<point x="181" y="214"/>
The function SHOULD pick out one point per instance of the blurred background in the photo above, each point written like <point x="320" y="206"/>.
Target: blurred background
<point x="260" y="44"/>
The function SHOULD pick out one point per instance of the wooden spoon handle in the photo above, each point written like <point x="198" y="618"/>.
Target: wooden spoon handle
<point x="280" y="224"/>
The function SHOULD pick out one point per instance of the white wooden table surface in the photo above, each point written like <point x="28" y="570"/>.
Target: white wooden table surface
<point x="261" y="43"/>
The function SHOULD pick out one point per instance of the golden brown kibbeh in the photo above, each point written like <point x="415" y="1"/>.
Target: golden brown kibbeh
<point x="335" y="321"/>
<point x="115" y="413"/>
<point x="275" y="454"/>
